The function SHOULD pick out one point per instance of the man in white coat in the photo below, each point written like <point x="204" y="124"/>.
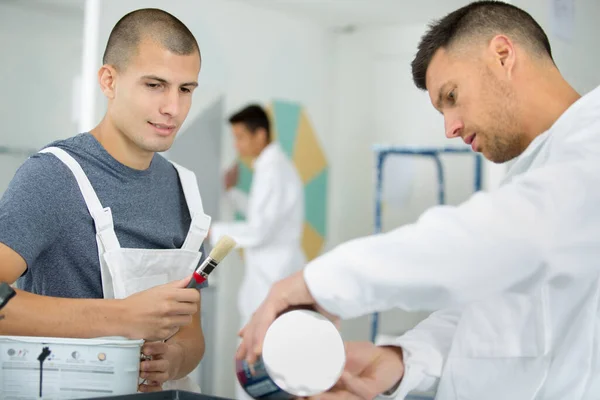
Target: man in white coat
<point x="271" y="236"/>
<point x="520" y="264"/>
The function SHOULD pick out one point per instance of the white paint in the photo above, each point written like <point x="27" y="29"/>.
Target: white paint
<point x="303" y="353"/>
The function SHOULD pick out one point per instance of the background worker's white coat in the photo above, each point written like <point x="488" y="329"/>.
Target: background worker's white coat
<point x="271" y="236"/>
<point x="521" y="265"/>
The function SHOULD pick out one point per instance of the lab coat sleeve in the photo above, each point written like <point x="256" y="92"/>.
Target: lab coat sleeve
<point x="238" y="199"/>
<point x="267" y="212"/>
<point x="425" y="349"/>
<point x="451" y="255"/>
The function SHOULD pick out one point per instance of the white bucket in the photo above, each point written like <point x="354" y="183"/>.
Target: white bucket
<point x="75" y="368"/>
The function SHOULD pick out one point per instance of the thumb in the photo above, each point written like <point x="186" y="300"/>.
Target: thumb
<point x="242" y="331"/>
<point x="182" y="283"/>
<point x="154" y="348"/>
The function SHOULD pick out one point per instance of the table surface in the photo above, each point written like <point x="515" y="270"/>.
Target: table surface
<point x="165" y="395"/>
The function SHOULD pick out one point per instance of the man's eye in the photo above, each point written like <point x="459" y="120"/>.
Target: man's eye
<point x="152" y="85"/>
<point x="185" y="90"/>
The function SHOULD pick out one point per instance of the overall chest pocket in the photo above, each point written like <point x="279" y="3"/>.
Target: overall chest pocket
<point x="134" y="270"/>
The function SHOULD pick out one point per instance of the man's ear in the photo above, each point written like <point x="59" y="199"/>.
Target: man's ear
<point x="262" y="132"/>
<point x="107" y="78"/>
<point x="503" y="53"/>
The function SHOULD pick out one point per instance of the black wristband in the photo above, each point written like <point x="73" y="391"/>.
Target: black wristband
<point x="6" y="293"/>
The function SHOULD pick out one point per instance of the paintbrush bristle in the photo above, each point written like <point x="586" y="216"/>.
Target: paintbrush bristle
<point x="222" y="248"/>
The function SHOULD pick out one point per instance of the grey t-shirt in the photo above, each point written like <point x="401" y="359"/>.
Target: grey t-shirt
<point x="43" y="216"/>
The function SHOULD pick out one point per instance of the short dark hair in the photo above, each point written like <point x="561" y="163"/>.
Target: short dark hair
<point x="253" y="117"/>
<point x="152" y="23"/>
<point x="481" y="19"/>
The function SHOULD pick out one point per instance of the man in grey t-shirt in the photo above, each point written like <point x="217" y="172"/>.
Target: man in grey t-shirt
<point x="47" y="233"/>
<point x="62" y="250"/>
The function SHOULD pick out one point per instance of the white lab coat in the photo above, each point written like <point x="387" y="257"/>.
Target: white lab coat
<point x="521" y="265"/>
<point x="271" y="236"/>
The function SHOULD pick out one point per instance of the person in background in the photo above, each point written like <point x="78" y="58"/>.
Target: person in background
<point x="101" y="232"/>
<point x="512" y="274"/>
<point x="271" y="234"/>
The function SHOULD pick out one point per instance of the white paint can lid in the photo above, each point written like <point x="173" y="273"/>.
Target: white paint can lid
<point x="303" y="353"/>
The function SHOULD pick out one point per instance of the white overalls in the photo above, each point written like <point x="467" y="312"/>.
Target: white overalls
<point x="128" y="271"/>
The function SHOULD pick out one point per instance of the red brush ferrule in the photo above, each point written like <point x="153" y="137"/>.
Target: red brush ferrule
<point x="199" y="278"/>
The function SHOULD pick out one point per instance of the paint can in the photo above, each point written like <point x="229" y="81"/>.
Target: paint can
<point x="64" y="368"/>
<point x="303" y="355"/>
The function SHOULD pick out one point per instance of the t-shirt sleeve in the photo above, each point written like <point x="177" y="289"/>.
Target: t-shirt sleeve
<point x="30" y="208"/>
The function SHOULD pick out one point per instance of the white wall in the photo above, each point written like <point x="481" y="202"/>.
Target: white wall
<point x="248" y="54"/>
<point x="356" y="88"/>
<point x="376" y="101"/>
<point x="41" y="56"/>
<point x="373" y="101"/>
<point x="579" y="58"/>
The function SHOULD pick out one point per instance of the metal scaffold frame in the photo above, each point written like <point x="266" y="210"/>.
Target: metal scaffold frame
<point x="381" y="154"/>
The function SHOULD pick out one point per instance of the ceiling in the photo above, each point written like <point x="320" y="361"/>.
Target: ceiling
<point x="342" y="13"/>
<point x="330" y="13"/>
<point x="49" y="5"/>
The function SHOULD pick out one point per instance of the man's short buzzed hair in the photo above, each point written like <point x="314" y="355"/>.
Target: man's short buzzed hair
<point x="479" y="20"/>
<point x="147" y="23"/>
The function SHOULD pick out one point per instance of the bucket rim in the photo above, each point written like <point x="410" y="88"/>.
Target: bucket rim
<point x="100" y="341"/>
